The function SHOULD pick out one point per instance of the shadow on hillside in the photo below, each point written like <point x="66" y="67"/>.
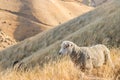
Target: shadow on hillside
<point x="28" y="24"/>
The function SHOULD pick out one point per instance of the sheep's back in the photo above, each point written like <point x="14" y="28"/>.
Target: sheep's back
<point x="97" y="53"/>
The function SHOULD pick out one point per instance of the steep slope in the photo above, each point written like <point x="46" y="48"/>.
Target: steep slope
<point x="91" y="28"/>
<point x="21" y="19"/>
<point x="19" y="30"/>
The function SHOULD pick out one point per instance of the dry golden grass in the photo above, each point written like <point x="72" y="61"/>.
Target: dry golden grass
<point x="61" y="70"/>
<point x="64" y="69"/>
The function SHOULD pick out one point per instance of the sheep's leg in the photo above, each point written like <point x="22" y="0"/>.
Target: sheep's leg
<point x="108" y="59"/>
<point x="88" y="66"/>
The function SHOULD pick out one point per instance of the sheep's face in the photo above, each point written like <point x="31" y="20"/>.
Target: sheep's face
<point x="66" y="47"/>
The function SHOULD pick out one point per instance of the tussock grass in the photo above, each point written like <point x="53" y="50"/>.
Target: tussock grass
<point x="64" y="69"/>
<point x="59" y="70"/>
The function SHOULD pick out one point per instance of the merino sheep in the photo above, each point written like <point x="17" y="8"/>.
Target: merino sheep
<point x="87" y="57"/>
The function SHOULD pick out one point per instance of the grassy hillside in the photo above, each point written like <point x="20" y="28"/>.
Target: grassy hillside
<point x="91" y="28"/>
<point x="98" y="26"/>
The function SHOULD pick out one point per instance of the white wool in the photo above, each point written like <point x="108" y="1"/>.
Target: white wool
<point x="87" y="57"/>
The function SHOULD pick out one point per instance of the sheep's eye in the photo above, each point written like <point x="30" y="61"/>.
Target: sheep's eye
<point x="67" y="46"/>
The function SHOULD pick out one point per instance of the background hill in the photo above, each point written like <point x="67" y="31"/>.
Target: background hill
<point x="98" y="26"/>
<point x="21" y="19"/>
<point x="93" y="3"/>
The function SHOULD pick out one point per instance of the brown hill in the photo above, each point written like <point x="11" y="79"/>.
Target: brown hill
<point x="21" y="19"/>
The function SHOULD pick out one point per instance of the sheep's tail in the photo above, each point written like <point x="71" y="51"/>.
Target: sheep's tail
<point x="108" y="58"/>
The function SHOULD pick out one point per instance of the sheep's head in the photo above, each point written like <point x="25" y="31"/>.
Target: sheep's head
<point x="66" y="47"/>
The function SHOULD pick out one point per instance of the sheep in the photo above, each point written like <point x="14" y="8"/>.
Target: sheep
<point x="87" y="57"/>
